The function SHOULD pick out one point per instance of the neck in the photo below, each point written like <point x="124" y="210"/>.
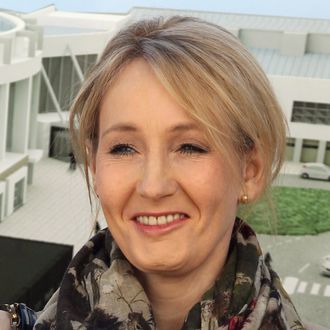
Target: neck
<point x="173" y="295"/>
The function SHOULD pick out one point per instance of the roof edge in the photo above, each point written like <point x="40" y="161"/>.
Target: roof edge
<point x="228" y="13"/>
<point x="44" y="10"/>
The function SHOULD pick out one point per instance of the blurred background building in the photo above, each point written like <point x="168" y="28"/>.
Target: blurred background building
<point x="44" y="56"/>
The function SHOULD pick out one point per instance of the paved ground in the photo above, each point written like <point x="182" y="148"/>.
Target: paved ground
<point x="297" y="258"/>
<point x="293" y="180"/>
<point x="289" y="177"/>
<point x="297" y="261"/>
<point x="57" y="210"/>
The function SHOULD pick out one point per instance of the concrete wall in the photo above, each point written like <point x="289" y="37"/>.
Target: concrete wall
<point x="80" y="44"/>
<point x="21" y="116"/>
<point x="290" y="89"/>
<point x="20" y="70"/>
<point x="4" y="101"/>
<point x="2" y="199"/>
<point x="11" y="180"/>
<point x="34" y="111"/>
<point x="20" y="61"/>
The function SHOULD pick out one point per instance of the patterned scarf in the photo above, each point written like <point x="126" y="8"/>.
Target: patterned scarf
<point x="100" y="291"/>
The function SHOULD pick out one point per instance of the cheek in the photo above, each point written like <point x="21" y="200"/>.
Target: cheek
<point x="213" y="189"/>
<point x="115" y="182"/>
<point x="111" y="184"/>
<point x="209" y="180"/>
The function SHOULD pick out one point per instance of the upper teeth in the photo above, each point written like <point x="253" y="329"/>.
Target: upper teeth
<point x="146" y="220"/>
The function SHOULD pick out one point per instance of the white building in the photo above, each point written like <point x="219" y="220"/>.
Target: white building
<point x="45" y="54"/>
<point x="20" y="63"/>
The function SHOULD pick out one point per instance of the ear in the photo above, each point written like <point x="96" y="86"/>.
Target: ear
<point x="253" y="175"/>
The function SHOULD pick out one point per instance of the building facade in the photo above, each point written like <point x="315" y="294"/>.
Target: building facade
<point x="20" y="64"/>
<point x="44" y="56"/>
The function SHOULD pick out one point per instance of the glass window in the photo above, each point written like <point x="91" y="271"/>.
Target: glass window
<point x="327" y="154"/>
<point x="311" y="144"/>
<point x="309" y="150"/>
<point x="18" y="194"/>
<point x="10" y="119"/>
<point x="60" y="145"/>
<point x="311" y="113"/>
<point x="290" y="142"/>
<point x="64" y="80"/>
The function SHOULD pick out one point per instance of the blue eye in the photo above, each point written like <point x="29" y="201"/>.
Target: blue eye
<point x="122" y="150"/>
<point x="189" y="148"/>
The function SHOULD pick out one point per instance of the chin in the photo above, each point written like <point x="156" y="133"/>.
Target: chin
<point x="161" y="265"/>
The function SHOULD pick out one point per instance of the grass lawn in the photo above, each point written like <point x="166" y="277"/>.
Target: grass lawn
<point x="292" y="211"/>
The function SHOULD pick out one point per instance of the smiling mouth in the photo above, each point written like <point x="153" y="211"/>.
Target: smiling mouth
<point x="160" y="220"/>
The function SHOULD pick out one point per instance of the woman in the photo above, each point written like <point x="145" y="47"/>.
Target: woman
<point x="178" y="125"/>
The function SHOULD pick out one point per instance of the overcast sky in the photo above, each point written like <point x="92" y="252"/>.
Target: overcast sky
<point x="296" y="8"/>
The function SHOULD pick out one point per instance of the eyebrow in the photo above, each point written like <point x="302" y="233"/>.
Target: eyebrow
<point x="127" y="127"/>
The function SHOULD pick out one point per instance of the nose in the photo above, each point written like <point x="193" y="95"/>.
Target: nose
<point x="156" y="180"/>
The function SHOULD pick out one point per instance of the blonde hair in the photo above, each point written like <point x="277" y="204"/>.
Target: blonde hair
<point x="210" y="74"/>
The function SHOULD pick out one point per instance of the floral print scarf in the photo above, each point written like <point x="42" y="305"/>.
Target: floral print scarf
<point x="100" y="291"/>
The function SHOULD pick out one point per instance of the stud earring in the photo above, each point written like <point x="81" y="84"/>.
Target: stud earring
<point x="244" y="199"/>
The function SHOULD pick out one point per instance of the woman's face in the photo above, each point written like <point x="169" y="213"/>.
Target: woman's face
<point x="168" y="197"/>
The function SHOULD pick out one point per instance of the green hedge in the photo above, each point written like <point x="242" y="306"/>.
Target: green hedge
<point x="290" y="211"/>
